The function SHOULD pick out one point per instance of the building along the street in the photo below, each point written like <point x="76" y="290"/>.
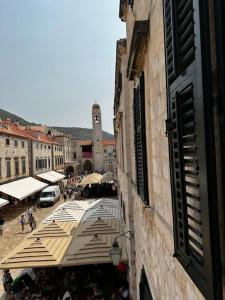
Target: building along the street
<point x="57" y="157"/>
<point x="41" y="152"/>
<point x="71" y="164"/>
<point x="170" y="157"/>
<point x="14" y="160"/>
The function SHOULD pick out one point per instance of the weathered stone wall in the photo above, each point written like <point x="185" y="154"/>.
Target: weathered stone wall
<point x="13" y="152"/>
<point x="153" y="225"/>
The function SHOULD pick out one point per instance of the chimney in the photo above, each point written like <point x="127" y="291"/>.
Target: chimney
<point x="17" y="123"/>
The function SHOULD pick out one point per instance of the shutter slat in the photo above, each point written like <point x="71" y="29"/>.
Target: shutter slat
<point x="195" y="242"/>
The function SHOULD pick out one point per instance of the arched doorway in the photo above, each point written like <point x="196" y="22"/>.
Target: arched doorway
<point x="70" y="171"/>
<point x="87" y="166"/>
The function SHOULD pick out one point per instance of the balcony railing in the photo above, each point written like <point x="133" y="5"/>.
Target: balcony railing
<point x="87" y="154"/>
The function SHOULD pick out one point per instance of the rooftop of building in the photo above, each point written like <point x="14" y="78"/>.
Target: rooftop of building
<point x="26" y="132"/>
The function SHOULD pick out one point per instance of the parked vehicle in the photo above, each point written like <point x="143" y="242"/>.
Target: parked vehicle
<point x="49" y="195"/>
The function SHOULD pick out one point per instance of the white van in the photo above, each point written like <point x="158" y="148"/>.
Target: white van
<point x="49" y="195"/>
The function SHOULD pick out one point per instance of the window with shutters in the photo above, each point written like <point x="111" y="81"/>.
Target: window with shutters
<point x="8" y="167"/>
<point x="17" y="171"/>
<point x="23" y="166"/>
<point x="187" y="140"/>
<point x="140" y="140"/>
<point x="179" y="29"/>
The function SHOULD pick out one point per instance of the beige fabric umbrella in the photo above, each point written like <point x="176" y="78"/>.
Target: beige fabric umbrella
<point x="91" y="250"/>
<point x="93" y="178"/>
<point x="64" y="215"/>
<point x="81" y="234"/>
<point x="54" y="230"/>
<point x="37" y="253"/>
<point x="99" y="226"/>
<point x="103" y="212"/>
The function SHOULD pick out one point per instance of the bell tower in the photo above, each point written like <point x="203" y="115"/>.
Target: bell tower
<point x="97" y="137"/>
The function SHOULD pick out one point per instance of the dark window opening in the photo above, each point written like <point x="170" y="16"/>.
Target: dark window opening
<point x="140" y="140"/>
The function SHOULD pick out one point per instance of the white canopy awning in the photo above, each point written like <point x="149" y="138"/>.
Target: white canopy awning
<point x="3" y="202"/>
<point x="51" y="176"/>
<point x="22" y="188"/>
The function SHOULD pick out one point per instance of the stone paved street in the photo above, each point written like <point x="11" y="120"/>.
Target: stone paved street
<point x="12" y="235"/>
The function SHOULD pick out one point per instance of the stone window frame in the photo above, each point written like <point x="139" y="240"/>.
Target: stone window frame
<point x="7" y="141"/>
<point x="138" y="48"/>
<point x="8" y="167"/>
<point x="16" y="143"/>
<point x="23" y="163"/>
<point x="17" y="166"/>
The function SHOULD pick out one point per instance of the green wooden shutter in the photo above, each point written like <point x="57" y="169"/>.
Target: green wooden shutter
<point x="189" y="158"/>
<point x="140" y="140"/>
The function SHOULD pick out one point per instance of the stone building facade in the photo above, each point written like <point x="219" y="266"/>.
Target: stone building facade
<point x="41" y="153"/>
<point x="169" y="256"/>
<point x="14" y="159"/>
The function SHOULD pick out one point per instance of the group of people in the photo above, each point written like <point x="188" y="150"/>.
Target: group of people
<point x="28" y="218"/>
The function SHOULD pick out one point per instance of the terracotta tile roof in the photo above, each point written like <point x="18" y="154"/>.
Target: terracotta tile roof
<point x="38" y="136"/>
<point x="108" y="142"/>
<point x="13" y="129"/>
<point x="34" y="133"/>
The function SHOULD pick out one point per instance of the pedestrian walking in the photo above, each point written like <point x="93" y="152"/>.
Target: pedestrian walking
<point x="2" y="221"/>
<point x="32" y="222"/>
<point x="65" y="197"/>
<point x="22" y="222"/>
<point x="7" y="281"/>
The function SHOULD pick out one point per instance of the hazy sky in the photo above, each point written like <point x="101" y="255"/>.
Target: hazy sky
<point x="57" y="57"/>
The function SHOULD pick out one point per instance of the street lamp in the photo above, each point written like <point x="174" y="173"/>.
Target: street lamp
<point x="116" y="251"/>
